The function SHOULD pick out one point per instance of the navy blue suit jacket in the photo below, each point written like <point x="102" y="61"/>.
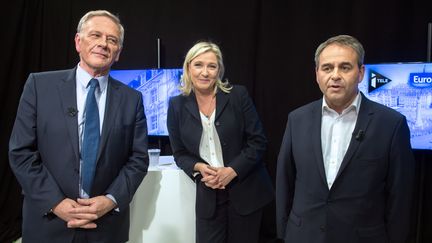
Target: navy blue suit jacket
<point x="370" y="200"/>
<point x="243" y="144"/>
<point x="44" y="155"/>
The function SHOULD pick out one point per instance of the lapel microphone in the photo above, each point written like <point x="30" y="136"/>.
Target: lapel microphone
<point x="359" y="136"/>
<point x="72" y="111"/>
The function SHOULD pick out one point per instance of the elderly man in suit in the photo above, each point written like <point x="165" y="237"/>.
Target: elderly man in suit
<point x="345" y="169"/>
<point x="79" y="143"/>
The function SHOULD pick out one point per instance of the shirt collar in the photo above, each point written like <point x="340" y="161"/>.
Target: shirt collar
<point x="83" y="77"/>
<point x="355" y="105"/>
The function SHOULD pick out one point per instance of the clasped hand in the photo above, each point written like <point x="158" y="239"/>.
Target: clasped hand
<point x="83" y="212"/>
<point x="216" y="177"/>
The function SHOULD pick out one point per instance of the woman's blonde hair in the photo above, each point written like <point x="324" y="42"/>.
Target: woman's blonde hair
<point x="198" y="49"/>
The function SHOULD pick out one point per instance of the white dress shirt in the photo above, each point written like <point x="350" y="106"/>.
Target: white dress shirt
<point x="210" y="147"/>
<point x="336" y="133"/>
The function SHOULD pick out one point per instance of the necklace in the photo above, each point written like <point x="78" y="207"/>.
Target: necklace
<point x="207" y="110"/>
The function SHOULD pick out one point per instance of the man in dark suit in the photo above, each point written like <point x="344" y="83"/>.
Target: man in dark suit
<point x="345" y="168"/>
<point x="67" y="196"/>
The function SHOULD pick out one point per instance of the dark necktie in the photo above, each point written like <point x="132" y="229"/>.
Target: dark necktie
<point x="90" y="143"/>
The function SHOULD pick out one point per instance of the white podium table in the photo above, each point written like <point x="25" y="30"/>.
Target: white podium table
<point x="163" y="208"/>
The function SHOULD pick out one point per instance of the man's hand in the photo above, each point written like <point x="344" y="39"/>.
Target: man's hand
<point x="65" y="211"/>
<point x="90" y="209"/>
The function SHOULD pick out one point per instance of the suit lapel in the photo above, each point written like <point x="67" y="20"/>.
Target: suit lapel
<point x="316" y="114"/>
<point x="67" y="91"/>
<point x="192" y="106"/>
<point x="222" y="99"/>
<point x="113" y="101"/>
<point x="363" y="119"/>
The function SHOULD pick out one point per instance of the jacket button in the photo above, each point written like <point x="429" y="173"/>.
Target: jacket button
<point x="322" y="228"/>
<point x="217" y="123"/>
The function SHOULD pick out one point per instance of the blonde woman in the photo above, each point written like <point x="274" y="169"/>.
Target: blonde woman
<point x="218" y="140"/>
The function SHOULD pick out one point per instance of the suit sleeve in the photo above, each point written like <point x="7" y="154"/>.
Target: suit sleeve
<point x="184" y="159"/>
<point x="135" y="168"/>
<point x="400" y="184"/>
<point x="255" y="141"/>
<point x="24" y="157"/>
<point x="285" y="179"/>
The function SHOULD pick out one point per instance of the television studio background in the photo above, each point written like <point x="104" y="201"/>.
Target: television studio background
<point x="268" y="46"/>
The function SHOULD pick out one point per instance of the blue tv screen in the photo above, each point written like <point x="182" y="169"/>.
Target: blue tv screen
<point x="407" y="88"/>
<point x="156" y="86"/>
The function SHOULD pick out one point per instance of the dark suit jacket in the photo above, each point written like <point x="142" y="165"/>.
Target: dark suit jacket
<point x="370" y="200"/>
<point x="243" y="144"/>
<point x="44" y="155"/>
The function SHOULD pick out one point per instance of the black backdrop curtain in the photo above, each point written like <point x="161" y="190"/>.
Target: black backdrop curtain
<point x="268" y="46"/>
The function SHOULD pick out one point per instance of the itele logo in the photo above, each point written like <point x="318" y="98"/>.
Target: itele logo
<point x="377" y="80"/>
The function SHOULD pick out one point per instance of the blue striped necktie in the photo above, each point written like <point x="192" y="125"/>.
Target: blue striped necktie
<point x="90" y="144"/>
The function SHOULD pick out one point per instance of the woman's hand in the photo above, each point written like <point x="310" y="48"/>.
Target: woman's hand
<point x="224" y="175"/>
<point x="209" y="175"/>
<point x="215" y="177"/>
